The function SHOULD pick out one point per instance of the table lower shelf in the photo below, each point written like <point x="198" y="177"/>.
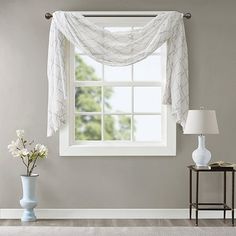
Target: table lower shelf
<point x="206" y="206"/>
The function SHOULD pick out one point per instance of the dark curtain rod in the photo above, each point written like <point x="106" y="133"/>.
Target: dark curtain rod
<point x="186" y="15"/>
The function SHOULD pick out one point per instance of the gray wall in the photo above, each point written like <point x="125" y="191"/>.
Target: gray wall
<point x="113" y="182"/>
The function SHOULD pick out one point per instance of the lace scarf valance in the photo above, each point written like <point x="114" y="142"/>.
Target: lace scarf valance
<point x="117" y="49"/>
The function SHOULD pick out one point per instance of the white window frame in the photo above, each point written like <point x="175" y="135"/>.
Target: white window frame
<point x="113" y="148"/>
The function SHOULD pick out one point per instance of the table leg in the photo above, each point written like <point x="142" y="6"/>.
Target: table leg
<point x="224" y="194"/>
<point x="197" y="186"/>
<point x="233" y="197"/>
<point x="190" y="194"/>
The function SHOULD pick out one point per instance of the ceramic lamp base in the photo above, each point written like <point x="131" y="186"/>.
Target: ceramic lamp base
<point x="201" y="156"/>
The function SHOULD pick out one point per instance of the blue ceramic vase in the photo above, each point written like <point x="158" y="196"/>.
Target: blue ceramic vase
<point x="29" y="201"/>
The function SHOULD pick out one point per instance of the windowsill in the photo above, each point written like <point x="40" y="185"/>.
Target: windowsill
<point x="87" y="150"/>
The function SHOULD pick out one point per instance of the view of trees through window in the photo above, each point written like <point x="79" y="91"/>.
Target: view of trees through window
<point x="88" y="99"/>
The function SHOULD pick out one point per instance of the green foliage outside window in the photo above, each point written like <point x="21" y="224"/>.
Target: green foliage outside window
<point x="88" y="99"/>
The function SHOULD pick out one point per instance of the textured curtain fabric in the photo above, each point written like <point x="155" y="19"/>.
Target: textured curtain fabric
<point x="117" y="49"/>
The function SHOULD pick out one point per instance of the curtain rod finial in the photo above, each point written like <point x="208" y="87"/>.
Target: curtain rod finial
<point x="48" y="15"/>
<point x="187" y="15"/>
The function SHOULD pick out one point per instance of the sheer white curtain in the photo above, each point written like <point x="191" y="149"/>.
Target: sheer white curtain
<point x="117" y="49"/>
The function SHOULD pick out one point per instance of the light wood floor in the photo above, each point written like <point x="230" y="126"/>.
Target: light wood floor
<point x="119" y="223"/>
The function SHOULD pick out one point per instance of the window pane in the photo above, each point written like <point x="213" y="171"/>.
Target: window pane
<point x="161" y="49"/>
<point x="147" y="128"/>
<point x="87" y="69"/>
<point x="87" y="127"/>
<point x="78" y="50"/>
<point x="117" y="99"/>
<point x="147" y="99"/>
<point x="114" y="73"/>
<point x="117" y="127"/>
<point x="88" y="99"/>
<point x="148" y="69"/>
<point x="158" y="51"/>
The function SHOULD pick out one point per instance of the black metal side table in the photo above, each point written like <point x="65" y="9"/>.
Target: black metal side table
<point x="201" y="206"/>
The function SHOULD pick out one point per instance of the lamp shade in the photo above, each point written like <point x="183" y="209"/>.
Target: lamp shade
<point x="201" y="122"/>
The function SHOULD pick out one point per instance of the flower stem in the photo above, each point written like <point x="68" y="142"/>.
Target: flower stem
<point x="23" y="161"/>
<point x="33" y="166"/>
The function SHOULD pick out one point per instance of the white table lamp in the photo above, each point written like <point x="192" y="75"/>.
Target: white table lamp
<point x="201" y="122"/>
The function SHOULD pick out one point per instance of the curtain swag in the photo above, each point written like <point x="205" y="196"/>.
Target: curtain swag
<point x="117" y="49"/>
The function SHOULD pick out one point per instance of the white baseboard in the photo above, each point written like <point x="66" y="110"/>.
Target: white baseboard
<point x="112" y="214"/>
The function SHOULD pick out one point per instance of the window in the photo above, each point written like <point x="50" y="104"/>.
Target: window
<point x="117" y="111"/>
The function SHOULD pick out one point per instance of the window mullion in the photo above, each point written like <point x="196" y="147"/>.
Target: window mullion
<point x="117" y="84"/>
<point x="116" y="113"/>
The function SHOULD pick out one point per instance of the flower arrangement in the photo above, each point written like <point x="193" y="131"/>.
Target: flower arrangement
<point x="29" y="157"/>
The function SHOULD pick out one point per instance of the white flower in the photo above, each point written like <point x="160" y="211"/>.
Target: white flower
<point x="16" y="153"/>
<point x="12" y="147"/>
<point x="24" y="152"/>
<point x="20" y="133"/>
<point x="41" y="149"/>
<point x="18" y="143"/>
